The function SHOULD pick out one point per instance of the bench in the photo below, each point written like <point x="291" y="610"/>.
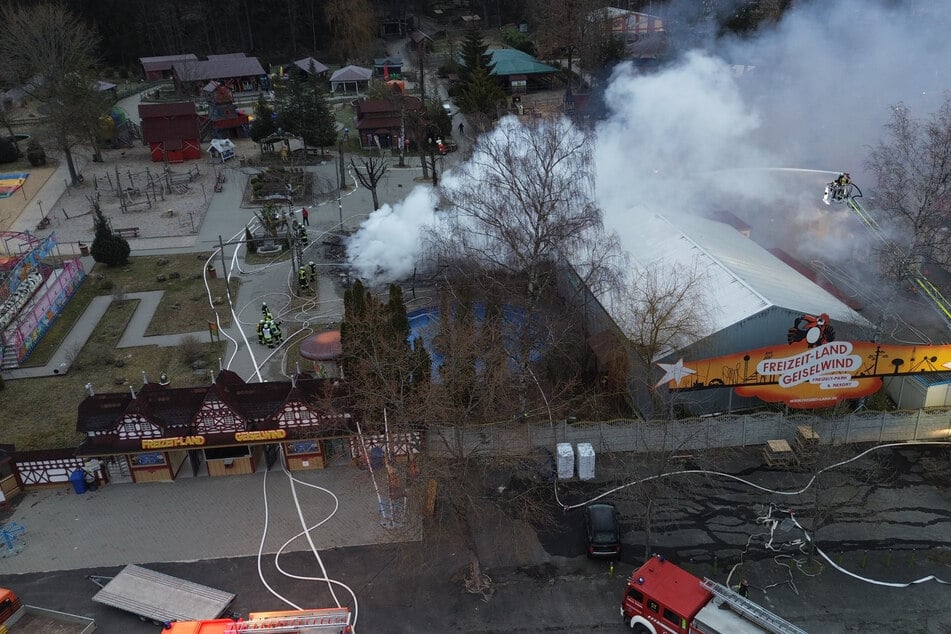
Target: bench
<point x="127" y="231"/>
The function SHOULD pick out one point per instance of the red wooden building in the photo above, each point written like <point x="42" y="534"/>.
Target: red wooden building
<point x="171" y="131"/>
<point x="381" y="121"/>
<point x="155" y="68"/>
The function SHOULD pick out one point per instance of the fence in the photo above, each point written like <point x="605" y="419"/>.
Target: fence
<point x="692" y="434"/>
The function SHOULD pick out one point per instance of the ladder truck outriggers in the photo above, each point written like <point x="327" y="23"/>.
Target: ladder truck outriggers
<point x="663" y="598"/>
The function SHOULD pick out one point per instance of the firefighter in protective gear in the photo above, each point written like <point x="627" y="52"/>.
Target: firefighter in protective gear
<point x="313" y="271"/>
<point x="268" y="337"/>
<point x="302" y="279"/>
<point x="261" y="331"/>
<point x="265" y="312"/>
<point x="276" y="329"/>
<point x="302" y="234"/>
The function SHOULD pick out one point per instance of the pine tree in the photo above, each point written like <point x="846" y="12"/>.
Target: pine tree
<point x="263" y="125"/>
<point x="481" y="95"/>
<point x="396" y="315"/>
<point x="107" y="248"/>
<point x="474" y="55"/>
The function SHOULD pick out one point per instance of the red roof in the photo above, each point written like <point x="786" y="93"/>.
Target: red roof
<point x="162" y="122"/>
<point x="387" y="106"/>
<point x="671" y="586"/>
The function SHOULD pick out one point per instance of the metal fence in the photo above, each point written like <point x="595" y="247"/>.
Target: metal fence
<point x="692" y="434"/>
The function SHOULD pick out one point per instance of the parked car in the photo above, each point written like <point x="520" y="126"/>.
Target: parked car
<point x="601" y="530"/>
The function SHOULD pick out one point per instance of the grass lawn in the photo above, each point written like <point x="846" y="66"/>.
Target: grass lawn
<point x="41" y="413"/>
<point x="184" y="307"/>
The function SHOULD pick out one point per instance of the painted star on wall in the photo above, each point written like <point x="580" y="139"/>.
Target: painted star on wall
<point x="674" y="372"/>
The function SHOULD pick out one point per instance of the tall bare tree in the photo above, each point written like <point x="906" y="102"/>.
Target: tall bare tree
<point x="48" y="51"/>
<point x="660" y="308"/>
<point x="353" y="25"/>
<point x="524" y="199"/>
<point x="912" y="168"/>
<point x="568" y="28"/>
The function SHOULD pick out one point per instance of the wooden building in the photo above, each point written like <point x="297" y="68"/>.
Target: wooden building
<point x="381" y="121"/>
<point x="156" y="68"/>
<point x="235" y="71"/>
<point x="226" y="428"/>
<point x="350" y="79"/>
<point x="171" y="131"/>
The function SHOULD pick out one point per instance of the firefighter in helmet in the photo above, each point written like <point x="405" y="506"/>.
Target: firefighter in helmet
<point x="302" y="279"/>
<point x="261" y="331"/>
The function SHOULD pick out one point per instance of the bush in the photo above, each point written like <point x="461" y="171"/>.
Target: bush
<point x="110" y="249"/>
<point x="191" y="349"/>
<point x="36" y="154"/>
<point x="100" y="354"/>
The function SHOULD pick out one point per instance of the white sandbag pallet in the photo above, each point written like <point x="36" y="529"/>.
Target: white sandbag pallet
<point x="585" y="461"/>
<point x="565" y="461"/>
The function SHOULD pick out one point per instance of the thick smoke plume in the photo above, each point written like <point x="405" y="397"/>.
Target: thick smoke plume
<point x="811" y="92"/>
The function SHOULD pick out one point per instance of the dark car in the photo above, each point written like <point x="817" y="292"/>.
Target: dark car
<point x="601" y="529"/>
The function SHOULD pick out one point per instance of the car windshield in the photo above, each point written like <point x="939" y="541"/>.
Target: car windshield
<point x="603" y="537"/>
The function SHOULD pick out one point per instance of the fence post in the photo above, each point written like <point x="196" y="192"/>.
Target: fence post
<point x="917" y="423"/>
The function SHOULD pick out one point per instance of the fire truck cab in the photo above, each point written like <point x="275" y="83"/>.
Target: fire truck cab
<point x="662" y="598"/>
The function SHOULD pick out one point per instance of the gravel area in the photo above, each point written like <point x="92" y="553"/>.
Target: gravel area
<point x="141" y="180"/>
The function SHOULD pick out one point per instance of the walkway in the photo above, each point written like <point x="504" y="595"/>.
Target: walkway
<point x="134" y="335"/>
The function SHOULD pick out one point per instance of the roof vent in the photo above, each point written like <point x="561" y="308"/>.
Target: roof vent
<point x="132" y="389"/>
<point x="89" y="389"/>
<point x="145" y="378"/>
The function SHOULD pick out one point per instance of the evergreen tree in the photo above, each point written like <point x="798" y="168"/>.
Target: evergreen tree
<point x="107" y="248"/>
<point x="263" y="125"/>
<point x="396" y="315"/>
<point x="422" y="365"/>
<point x="481" y="95"/>
<point x="474" y="55"/>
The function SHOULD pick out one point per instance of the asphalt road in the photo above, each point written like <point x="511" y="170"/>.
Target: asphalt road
<point x="886" y="518"/>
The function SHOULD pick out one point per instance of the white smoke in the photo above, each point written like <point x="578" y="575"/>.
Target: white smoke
<point x="813" y="92"/>
<point x="388" y="244"/>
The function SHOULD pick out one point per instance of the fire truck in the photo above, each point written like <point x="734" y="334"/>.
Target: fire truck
<point x="662" y="598"/>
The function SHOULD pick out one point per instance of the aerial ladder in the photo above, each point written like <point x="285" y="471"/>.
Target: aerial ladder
<point x="843" y="191"/>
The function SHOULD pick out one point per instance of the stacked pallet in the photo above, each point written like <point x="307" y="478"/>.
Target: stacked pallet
<point x="778" y="453"/>
<point x="807" y="443"/>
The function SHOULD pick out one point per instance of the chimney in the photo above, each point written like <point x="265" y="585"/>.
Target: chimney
<point x="145" y="379"/>
<point x="89" y="389"/>
<point x="220" y="366"/>
<point x="212" y="373"/>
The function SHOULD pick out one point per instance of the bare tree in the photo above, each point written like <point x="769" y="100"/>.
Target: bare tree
<point x="353" y="25"/>
<point x="912" y="167"/>
<point x="373" y="171"/>
<point x="567" y="27"/>
<point x="660" y="308"/>
<point x="51" y="53"/>
<point x="524" y="199"/>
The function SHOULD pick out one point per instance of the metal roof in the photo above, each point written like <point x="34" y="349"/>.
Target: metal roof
<point x="351" y="73"/>
<point x="742" y="277"/>
<point x="305" y="64"/>
<point x="164" y="62"/>
<point x="222" y="68"/>
<point x="510" y="61"/>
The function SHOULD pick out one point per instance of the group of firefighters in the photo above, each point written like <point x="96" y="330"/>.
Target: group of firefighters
<point x="269" y="331"/>
<point x="307" y="275"/>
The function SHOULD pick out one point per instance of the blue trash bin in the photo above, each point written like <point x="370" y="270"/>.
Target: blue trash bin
<point x="78" y="479"/>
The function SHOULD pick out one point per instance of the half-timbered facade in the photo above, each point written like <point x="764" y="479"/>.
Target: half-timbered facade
<point x="222" y="429"/>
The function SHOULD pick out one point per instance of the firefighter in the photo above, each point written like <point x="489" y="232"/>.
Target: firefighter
<point x="268" y="337"/>
<point x="261" y="331"/>
<point x="302" y="234"/>
<point x="302" y="280"/>
<point x="313" y="272"/>
<point x="265" y="312"/>
<point x="276" y="329"/>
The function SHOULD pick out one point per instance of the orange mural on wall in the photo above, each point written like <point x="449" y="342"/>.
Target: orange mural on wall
<point x="811" y="370"/>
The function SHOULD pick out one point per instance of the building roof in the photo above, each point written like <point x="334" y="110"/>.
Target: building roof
<point x="387" y="61"/>
<point x="162" y="122"/>
<point x="227" y="56"/>
<point x="418" y="36"/>
<point x="510" y="61"/>
<point x="304" y="65"/>
<point x="175" y="412"/>
<point x="164" y="62"/>
<point x="351" y="73"/>
<point x="386" y="106"/>
<point x="222" y="68"/>
<point x="742" y="277"/>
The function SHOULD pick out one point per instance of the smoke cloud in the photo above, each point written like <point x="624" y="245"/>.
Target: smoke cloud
<point x="811" y="94"/>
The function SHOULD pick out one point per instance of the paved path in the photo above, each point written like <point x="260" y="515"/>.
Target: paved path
<point x="192" y="519"/>
<point x="134" y="335"/>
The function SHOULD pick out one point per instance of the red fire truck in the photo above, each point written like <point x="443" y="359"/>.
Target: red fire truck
<point x="663" y="598"/>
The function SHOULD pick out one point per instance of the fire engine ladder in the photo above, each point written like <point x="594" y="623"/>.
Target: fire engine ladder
<point x="928" y="289"/>
<point x="750" y="610"/>
<point x="277" y="625"/>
